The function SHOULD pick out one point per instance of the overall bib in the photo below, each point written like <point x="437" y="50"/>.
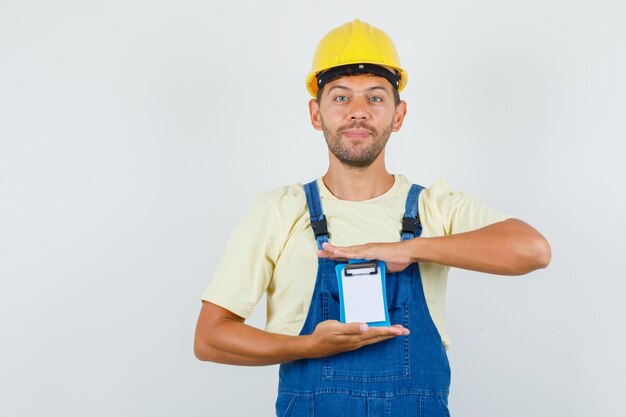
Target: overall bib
<point x="402" y="376"/>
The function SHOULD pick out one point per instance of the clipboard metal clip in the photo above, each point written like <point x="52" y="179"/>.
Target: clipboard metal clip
<point x="361" y="268"/>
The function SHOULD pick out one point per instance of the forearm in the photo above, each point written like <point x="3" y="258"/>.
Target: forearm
<point x="511" y="247"/>
<point x="232" y="342"/>
<point x="222" y="336"/>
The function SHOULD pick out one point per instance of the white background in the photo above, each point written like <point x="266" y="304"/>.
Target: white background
<point x="134" y="134"/>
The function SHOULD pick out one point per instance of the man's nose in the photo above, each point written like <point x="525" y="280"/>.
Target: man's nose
<point x="358" y="109"/>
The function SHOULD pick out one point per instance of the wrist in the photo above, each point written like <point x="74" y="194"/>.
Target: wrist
<point x="414" y="249"/>
<point x="302" y="347"/>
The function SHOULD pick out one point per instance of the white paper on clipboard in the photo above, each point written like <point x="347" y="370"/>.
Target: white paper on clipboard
<point x="362" y="294"/>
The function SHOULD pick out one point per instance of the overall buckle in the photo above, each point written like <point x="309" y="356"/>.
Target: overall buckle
<point x="410" y="225"/>
<point x="320" y="227"/>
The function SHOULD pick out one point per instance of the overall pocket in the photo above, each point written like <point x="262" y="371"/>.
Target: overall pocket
<point x="383" y="361"/>
<point x="288" y="405"/>
<point x="434" y="406"/>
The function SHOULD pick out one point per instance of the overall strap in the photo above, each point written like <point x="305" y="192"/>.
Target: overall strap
<point x="411" y="225"/>
<point x="318" y="220"/>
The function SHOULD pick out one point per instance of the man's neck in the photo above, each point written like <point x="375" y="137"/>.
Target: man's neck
<point x="358" y="184"/>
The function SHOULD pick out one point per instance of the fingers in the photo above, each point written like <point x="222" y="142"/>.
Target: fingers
<point x="330" y="255"/>
<point x="331" y="337"/>
<point x="405" y="331"/>
<point x="395" y="330"/>
<point x="350" y="252"/>
<point x="339" y="252"/>
<point x="368" y="332"/>
<point x="380" y="334"/>
<point x="332" y="252"/>
<point x="336" y="328"/>
<point x="335" y="250"/>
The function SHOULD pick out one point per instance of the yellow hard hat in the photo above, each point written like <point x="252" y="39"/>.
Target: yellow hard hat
<point x="355" y="42"/>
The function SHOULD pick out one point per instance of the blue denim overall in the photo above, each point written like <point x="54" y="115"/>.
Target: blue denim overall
<point x="402" y="376"/>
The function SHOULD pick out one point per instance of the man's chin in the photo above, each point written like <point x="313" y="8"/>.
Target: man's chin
<point x="357" y="162"/>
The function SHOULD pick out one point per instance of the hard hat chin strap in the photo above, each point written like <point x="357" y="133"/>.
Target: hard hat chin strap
<point x="355" y="69"/>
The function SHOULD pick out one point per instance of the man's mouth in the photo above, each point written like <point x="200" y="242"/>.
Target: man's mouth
<point x="356" y="133"/>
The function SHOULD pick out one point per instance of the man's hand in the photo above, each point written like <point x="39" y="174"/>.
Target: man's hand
<point x="509" y="247"/>
<point x="395" y="255"/>
<point x="223" y="337"/>
<point x="331" y="337"/>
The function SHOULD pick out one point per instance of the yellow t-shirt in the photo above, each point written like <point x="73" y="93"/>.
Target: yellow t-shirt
<point x="273" y="248"/>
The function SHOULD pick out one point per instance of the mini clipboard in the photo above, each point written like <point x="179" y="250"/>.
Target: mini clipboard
<point x="362" y="292"/>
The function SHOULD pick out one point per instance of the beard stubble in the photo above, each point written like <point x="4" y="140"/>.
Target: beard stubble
<point x="359" y="155"/>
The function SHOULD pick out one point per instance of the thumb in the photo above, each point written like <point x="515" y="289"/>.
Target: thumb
<point x="355" y="328"/>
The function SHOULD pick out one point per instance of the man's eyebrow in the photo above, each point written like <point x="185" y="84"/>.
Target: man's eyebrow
<point x="378" y="87"/>
<point x="343" y="87"/>
<point x="338" y="86"/>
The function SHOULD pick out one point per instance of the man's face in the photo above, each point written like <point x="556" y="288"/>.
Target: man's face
<point x="357" y="115"/>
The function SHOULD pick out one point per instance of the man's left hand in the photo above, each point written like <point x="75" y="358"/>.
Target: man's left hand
<point x="395" y="255"/>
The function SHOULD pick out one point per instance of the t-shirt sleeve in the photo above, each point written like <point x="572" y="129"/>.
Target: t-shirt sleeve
<point x="247" y="264"/>
<point x="457" y="212"/>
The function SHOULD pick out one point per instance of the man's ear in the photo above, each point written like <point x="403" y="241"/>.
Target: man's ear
<point x="398" y="117"/>
<point x="314" y="111"/>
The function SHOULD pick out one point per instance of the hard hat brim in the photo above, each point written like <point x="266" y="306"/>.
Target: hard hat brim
<point x="311" y="78"/>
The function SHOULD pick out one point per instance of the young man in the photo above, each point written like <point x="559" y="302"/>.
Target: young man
<point x="282" y="248"/>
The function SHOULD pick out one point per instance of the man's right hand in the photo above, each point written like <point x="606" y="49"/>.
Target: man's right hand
<point x="223" y="337"/>
<point x="331" y="337"/>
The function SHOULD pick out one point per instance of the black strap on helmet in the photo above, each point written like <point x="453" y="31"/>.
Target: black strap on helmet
<point x="355" y="69"/>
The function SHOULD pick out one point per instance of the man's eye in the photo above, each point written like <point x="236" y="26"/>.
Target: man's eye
<point x="376" y="99"/>
<point x="341" y="98"/>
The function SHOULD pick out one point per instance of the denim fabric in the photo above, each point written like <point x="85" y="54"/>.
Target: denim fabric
<point x="403" y="376"/>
